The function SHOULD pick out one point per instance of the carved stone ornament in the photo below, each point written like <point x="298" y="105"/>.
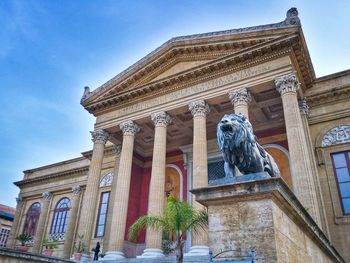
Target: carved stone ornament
<point x="288" y="83"/>
<point x="106" y="180"/>
<point x="99" y="136"/>
<point x="292" y="17"/>
<point x="337" y="135"/>
<point x="118" y="149"/>
<point x="47" y="196"/>
<point x="19" y="199"/>
<point x="161" y="118"/>
<point x="86" y="93"/>
<point x="240" y="96"/>
<point x="304" y="107"/>
<point x="199" y="108"/>
<point x="129" y="128"/>
<point x="76" y="190"/>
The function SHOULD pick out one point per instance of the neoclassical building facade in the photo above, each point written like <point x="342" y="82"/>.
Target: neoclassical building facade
<point x="155" y="135"/>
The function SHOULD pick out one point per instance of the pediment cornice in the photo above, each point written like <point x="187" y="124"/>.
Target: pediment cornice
<point x="226" y="51"/>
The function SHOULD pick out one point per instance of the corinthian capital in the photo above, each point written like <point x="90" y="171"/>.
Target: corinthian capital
<point x="99" y="136"/>
<point x="118" y="150"/>
<point x="286" y="84"/>
<point x="129" y="128"/>
<point x="199" y="108"/>
<point x="240" y="96"/>
<point x="47" y="196"/>
<point x="161" y="119"/>
<point x="19" y="199"/>
<point x="304" y="107"/>
<point x="76" y="190"/>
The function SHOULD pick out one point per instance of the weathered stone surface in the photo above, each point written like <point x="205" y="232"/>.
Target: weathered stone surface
<point x="14" y="256"/>
<point x="266" y="215"/>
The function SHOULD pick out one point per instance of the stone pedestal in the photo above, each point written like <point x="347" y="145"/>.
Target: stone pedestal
<point x="265" y="215"/>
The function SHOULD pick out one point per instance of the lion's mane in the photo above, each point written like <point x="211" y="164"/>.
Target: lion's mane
<point x="239" y="148"/>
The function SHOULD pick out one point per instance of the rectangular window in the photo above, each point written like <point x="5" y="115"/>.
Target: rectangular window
<point x="4" y="234"/>
<point x="341" y="165"/>
<point x="102" y="215"/>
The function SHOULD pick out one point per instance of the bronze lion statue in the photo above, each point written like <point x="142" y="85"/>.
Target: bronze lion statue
<point x="239" y="148"/>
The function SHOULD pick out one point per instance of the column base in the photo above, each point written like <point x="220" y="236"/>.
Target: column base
<point x="197" y="252"/>
<point x="112" y="255"/>
<point x="152" y="253"/>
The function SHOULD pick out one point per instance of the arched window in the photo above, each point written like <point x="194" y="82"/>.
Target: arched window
<point x="32" y="219"/>
<point x="60" y="216"/>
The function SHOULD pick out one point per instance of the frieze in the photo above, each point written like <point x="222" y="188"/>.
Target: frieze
<point x="195" y="89"/>
<point x="161" y="119"/>
<point x="337" y="135"/>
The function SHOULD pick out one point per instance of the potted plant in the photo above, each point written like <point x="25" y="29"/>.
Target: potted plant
<point x="49" y="247"/>
<point x="23" y="239"/>
<point x="79" y="247"/>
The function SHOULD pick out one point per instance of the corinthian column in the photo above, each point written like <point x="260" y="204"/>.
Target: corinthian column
<point x="199" y="110"/>
<point x="120" y="202"/>
<point x="156" y="189"/>
<point x="99" y="137"/>
<point x="69" y="236"/>
<point x="110" y="214"/>
<point x="300" y="163"/>
<point x="42" y="222"/>
<point x="11" y="242"/>
<point x="240" y="98"/>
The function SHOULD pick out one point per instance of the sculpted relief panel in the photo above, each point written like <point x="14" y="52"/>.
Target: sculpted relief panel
<point x="177" y="98"/>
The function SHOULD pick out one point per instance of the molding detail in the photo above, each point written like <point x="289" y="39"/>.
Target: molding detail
<point x="129" y="128"/>
<point x="304" y="107"/>
<point x="161" y="119"/>
<point x="47" y="196"/>
<point x="76" y="190"/>
<point x="99" y="136"/>
<point x="287" y="84"/>
<point x="118" y="149"/>
<point x="199" y="108"/>
<point x="240" y="96"/>
<point x="19" y="199"/>
<point x="336" y="135"/>
<point x="107" y="180"/>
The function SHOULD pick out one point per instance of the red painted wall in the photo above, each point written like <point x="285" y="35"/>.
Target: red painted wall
<point x="139" y="190"/>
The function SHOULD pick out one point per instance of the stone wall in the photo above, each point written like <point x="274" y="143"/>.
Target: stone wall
<point x="13" y="256"/>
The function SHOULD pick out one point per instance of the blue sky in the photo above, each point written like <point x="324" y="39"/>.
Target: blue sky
<point x="50" y="50"/>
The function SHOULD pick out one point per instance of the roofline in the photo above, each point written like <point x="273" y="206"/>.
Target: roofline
<point x="333" y="75"/>
<point x="292" y="20"/>
<point x="53" y="164"/>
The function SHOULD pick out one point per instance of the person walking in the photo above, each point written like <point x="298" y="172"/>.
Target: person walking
<point x="96" y="251"/>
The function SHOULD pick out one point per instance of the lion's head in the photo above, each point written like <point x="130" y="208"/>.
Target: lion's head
<point x="233" y="130"/>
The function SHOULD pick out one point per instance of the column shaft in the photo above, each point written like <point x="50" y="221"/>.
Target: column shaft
<point x="91" y="193"/>
<point x="110" y="214"/>
<point x="121" y="198"/>
<point x="69" y="236"/>
<point x="301" y="170"/>
<point x="41" y="222"/>
<point x="156" y="189"/>
<point x="199" y="109"/>
<point x="11" y="242"/>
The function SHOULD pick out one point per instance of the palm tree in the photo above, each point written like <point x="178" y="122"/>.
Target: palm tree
<point x="178" y="217"/>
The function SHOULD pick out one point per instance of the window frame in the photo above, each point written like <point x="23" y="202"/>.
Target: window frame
<point x="99" y="214"/>
<point x="57" y="211"/>
<point x="31" y="214"/>
<point x="347" y="160"/>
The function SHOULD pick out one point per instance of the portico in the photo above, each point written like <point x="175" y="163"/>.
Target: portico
<point x="162" y="113"/>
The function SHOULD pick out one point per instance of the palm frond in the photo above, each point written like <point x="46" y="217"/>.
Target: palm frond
<point x="155" y="222"/>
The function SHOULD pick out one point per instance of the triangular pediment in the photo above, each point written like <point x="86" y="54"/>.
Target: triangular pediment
<point x="187" y="57"/>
